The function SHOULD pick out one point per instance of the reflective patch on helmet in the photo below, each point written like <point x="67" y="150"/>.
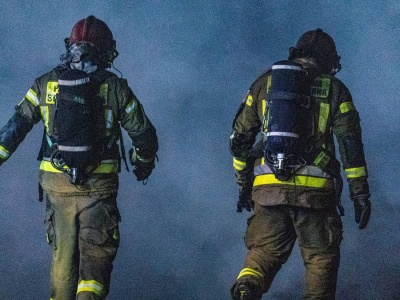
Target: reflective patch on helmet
<point x="51" y="92"/>
<point x="320" y="87"/>
<point x="249" y="100"/>
<point x="346" y="107"/>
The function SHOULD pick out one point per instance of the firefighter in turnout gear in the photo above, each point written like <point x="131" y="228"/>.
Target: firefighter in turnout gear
<point x="301" y="201"/>
<point x="82" y="217"/>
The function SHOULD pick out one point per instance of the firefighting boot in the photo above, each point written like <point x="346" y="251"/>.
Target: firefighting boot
<point x="246" y="290"/>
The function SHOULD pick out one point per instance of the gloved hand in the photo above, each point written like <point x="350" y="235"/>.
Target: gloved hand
<point x="362" y="209"/>
<point x="142" y="168"/>
<point x="245" y="201"/>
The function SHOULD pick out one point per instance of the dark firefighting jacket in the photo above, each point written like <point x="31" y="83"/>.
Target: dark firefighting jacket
<point x="333" y="114"/>
<point x="122" y="108"/>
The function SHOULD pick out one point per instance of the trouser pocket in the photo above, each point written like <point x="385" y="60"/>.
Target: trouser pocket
<point x="50" y="228"/>
<point x="335" y="229"/>
<point x="100" y="225"/>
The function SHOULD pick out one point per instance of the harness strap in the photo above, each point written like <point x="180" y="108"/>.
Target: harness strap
<point x="123" y="153"/>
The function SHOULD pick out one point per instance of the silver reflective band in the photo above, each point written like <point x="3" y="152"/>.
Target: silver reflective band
<point x="73" y="82"/>
<point x="287" y="67"/>
<point x="74" y="148"/>
<point x="3" y="153"/>
<point x="277" y="133"/>
<point x="131" y="105"/>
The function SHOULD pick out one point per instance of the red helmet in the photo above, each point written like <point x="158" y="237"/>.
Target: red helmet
<point x="93" y="31"/>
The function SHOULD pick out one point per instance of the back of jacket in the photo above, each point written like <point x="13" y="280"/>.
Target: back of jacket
<point x="333" y="113"/>
<point x="122" y="108"/>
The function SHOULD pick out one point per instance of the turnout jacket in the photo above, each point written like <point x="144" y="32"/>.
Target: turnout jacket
<point x="122" y="108"/>
<point x="333" y="114"/>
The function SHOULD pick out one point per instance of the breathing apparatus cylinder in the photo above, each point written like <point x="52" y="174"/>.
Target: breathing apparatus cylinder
<point x="75" y="124"/>
<point x="285" y="99"/>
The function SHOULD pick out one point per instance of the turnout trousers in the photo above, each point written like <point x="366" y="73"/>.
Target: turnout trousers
<point x="83" y="231"/>
<point x="271" y="234"/>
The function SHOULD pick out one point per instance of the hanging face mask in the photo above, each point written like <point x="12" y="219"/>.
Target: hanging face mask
<point x="80" y="56"/>
<point x="310" y="65"/>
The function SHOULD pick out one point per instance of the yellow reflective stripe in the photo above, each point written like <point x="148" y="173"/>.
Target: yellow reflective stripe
<point x="269" y="80"/>
<point x="104" y="91"/>
<point x="32" y="97"/>
<point x="300" y="180"/>
<point x="346" y="107"/>
<point x="323" y="117"/>
<point x="4" y="153"/>
<point x="238" y="164"/>
<point x="45" y="116"/>
<point x="356" y="172"/>
<point x="47" y="166"/>
<point x="265" y="118"/>
<point x="263" y="105"/>
<point x="92" y="286"/>
<point x="251" y="272"/>
<point x="249" y="100"/>
<point x="105" y="167"/>
<point x="131" y="106"/>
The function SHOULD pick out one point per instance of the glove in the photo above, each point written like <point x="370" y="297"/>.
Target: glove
<point x="362" y="209"/>
<point x="142" y="168"/>
<point x="245" y="201"/>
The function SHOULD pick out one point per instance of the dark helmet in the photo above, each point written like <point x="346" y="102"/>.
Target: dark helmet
<point x="97" y="34"/>
<point x="319" y="45"/>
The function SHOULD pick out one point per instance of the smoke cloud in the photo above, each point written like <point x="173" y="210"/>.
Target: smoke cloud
<point x="190" y="64"/>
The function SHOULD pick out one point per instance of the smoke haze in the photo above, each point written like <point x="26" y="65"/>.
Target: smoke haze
<point x="190" y="63"/>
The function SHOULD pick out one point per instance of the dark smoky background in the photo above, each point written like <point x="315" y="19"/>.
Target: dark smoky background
<point x="190" y="63"/>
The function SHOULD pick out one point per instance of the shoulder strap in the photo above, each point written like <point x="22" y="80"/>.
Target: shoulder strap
<point x="123" y="153"/>
<point x="101" y="75"/>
